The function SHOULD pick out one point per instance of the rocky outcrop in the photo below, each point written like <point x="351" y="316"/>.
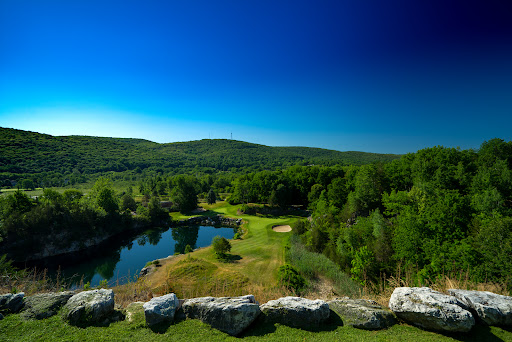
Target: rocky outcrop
<point x="295" y="311"/>
<point x="490" y="308"/>
<point x="161" y="309"/>
<point x="429" y="309"/>
<point x="44" y="305"/>
<point x="11" y="303"/>
<point x="89" y="307"/>
<point x="218" y="220"/>
<point x="228" y="314"/>
<point x="362" y="313"/>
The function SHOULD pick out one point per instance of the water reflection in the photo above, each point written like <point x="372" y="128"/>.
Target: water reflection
<point x="184" y="236"/>
<point x="121" y="260"/>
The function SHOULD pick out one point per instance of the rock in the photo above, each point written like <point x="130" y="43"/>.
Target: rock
<point x="143" y="272"/>
<point x="11" y="303"/>
<point x="134" y="309"/>
<point x="228" y="314"/>
<point x="89" y="307"/>
<point x="490" y="308"/>
<point x="160" y="309"/>
<point x="295" y="311"/>
<point x="362" y="314"/>
<point x="429" y="309"/>
<point x="45" y="305"/>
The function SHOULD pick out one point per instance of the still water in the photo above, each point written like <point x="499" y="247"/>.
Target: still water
<point x="122" y="261"/>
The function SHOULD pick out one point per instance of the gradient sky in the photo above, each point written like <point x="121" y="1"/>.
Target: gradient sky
<point x="377" y="76"/>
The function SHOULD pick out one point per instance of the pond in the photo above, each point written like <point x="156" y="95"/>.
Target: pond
<point x="122" y="261"/>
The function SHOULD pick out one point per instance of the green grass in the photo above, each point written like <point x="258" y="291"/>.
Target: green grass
<point x="13" y="328"/>
<point x="256" y="258"/>
<point x="312" y="265"/>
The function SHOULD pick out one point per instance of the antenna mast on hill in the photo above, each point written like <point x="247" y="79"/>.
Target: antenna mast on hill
<point x="231" y="135"/>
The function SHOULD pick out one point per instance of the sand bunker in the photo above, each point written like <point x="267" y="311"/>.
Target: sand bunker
<point x="282" y="229"/>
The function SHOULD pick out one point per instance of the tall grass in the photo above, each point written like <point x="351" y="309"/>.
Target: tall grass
<point x="381" y="290"/>
<point x="194" y="277"/>
<point x="314" y="265"/>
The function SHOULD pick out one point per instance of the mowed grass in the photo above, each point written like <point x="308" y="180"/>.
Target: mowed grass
<point x="252" y="265"/>
<point x="13" y="328"/>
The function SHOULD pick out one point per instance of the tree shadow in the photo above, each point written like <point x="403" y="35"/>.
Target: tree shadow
<point x="229" y="258"/>
<point x="232" y="258"/>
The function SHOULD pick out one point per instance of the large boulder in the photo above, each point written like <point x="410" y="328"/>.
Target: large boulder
<point x="89" y="307"/>
<point x="429" y="309"/>
<point x="161" y="309"/>
<point x="490" y="308"/>
<point x="295" y="311"/>
<point x="362" y="313"/>
<point x="228" y="314"/>
<point x="45" y="305"/>
<point x="11" y="303"/>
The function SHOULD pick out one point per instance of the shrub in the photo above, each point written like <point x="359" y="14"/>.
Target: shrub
<point x="290" y="278"/>
<point x="221" y="246"/>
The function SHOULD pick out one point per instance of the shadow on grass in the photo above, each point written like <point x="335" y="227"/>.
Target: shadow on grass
<point x="162" y="327"/>
<point x="479" y="333"/>
<point x="229" y="258"/>
<point x="263" y="327"/>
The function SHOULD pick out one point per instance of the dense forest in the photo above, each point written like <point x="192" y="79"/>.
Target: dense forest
<point x="43" y="160"/>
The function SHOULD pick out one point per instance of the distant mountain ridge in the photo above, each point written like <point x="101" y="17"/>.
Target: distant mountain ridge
<point x="24" y="152"/>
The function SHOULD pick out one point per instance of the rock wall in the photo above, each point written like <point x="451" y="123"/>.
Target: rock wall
<point x="218" y="220"/>
<point x="418" y="306"/>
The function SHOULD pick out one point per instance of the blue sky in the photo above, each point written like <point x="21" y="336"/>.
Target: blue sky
<point x="379" y="76"/>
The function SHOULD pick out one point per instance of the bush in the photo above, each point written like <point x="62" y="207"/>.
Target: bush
<point x="221" y="246"/>
<point x="290" y="278"/>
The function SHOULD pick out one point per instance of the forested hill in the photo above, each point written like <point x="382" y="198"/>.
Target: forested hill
<point x="23" y="152"/>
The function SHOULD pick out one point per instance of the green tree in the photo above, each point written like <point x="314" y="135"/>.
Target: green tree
<point x="184" y="192"/>
<point x="128" y="203"/>
<point x="28" y="184"/>
<point x="211" y="197"/>
<point x="221" y="246"/>
<point x="103" y="195"/>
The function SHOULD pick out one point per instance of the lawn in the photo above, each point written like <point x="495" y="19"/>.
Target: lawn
<point x="13" y="328"/>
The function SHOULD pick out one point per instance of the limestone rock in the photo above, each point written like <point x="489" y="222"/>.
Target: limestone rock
<point x="295" y="311"/>
<point x="430" y="309"/>
<point x="228" y="314"/>
<point x="11" y="303"/>
<point x="45" y="305"/>
<point x="490" y="308"/>
<point x="362" y="314"/>
<point x="89" y="307"/>
<point x="160" y="309"/>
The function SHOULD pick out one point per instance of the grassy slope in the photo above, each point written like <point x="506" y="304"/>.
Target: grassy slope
<point x="257" y="256"/>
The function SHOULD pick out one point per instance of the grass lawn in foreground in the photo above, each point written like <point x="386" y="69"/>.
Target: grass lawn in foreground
<point x="13" y="328"/>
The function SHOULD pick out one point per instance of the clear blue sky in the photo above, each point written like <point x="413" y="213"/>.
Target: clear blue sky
<point x="378" y="76"/>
